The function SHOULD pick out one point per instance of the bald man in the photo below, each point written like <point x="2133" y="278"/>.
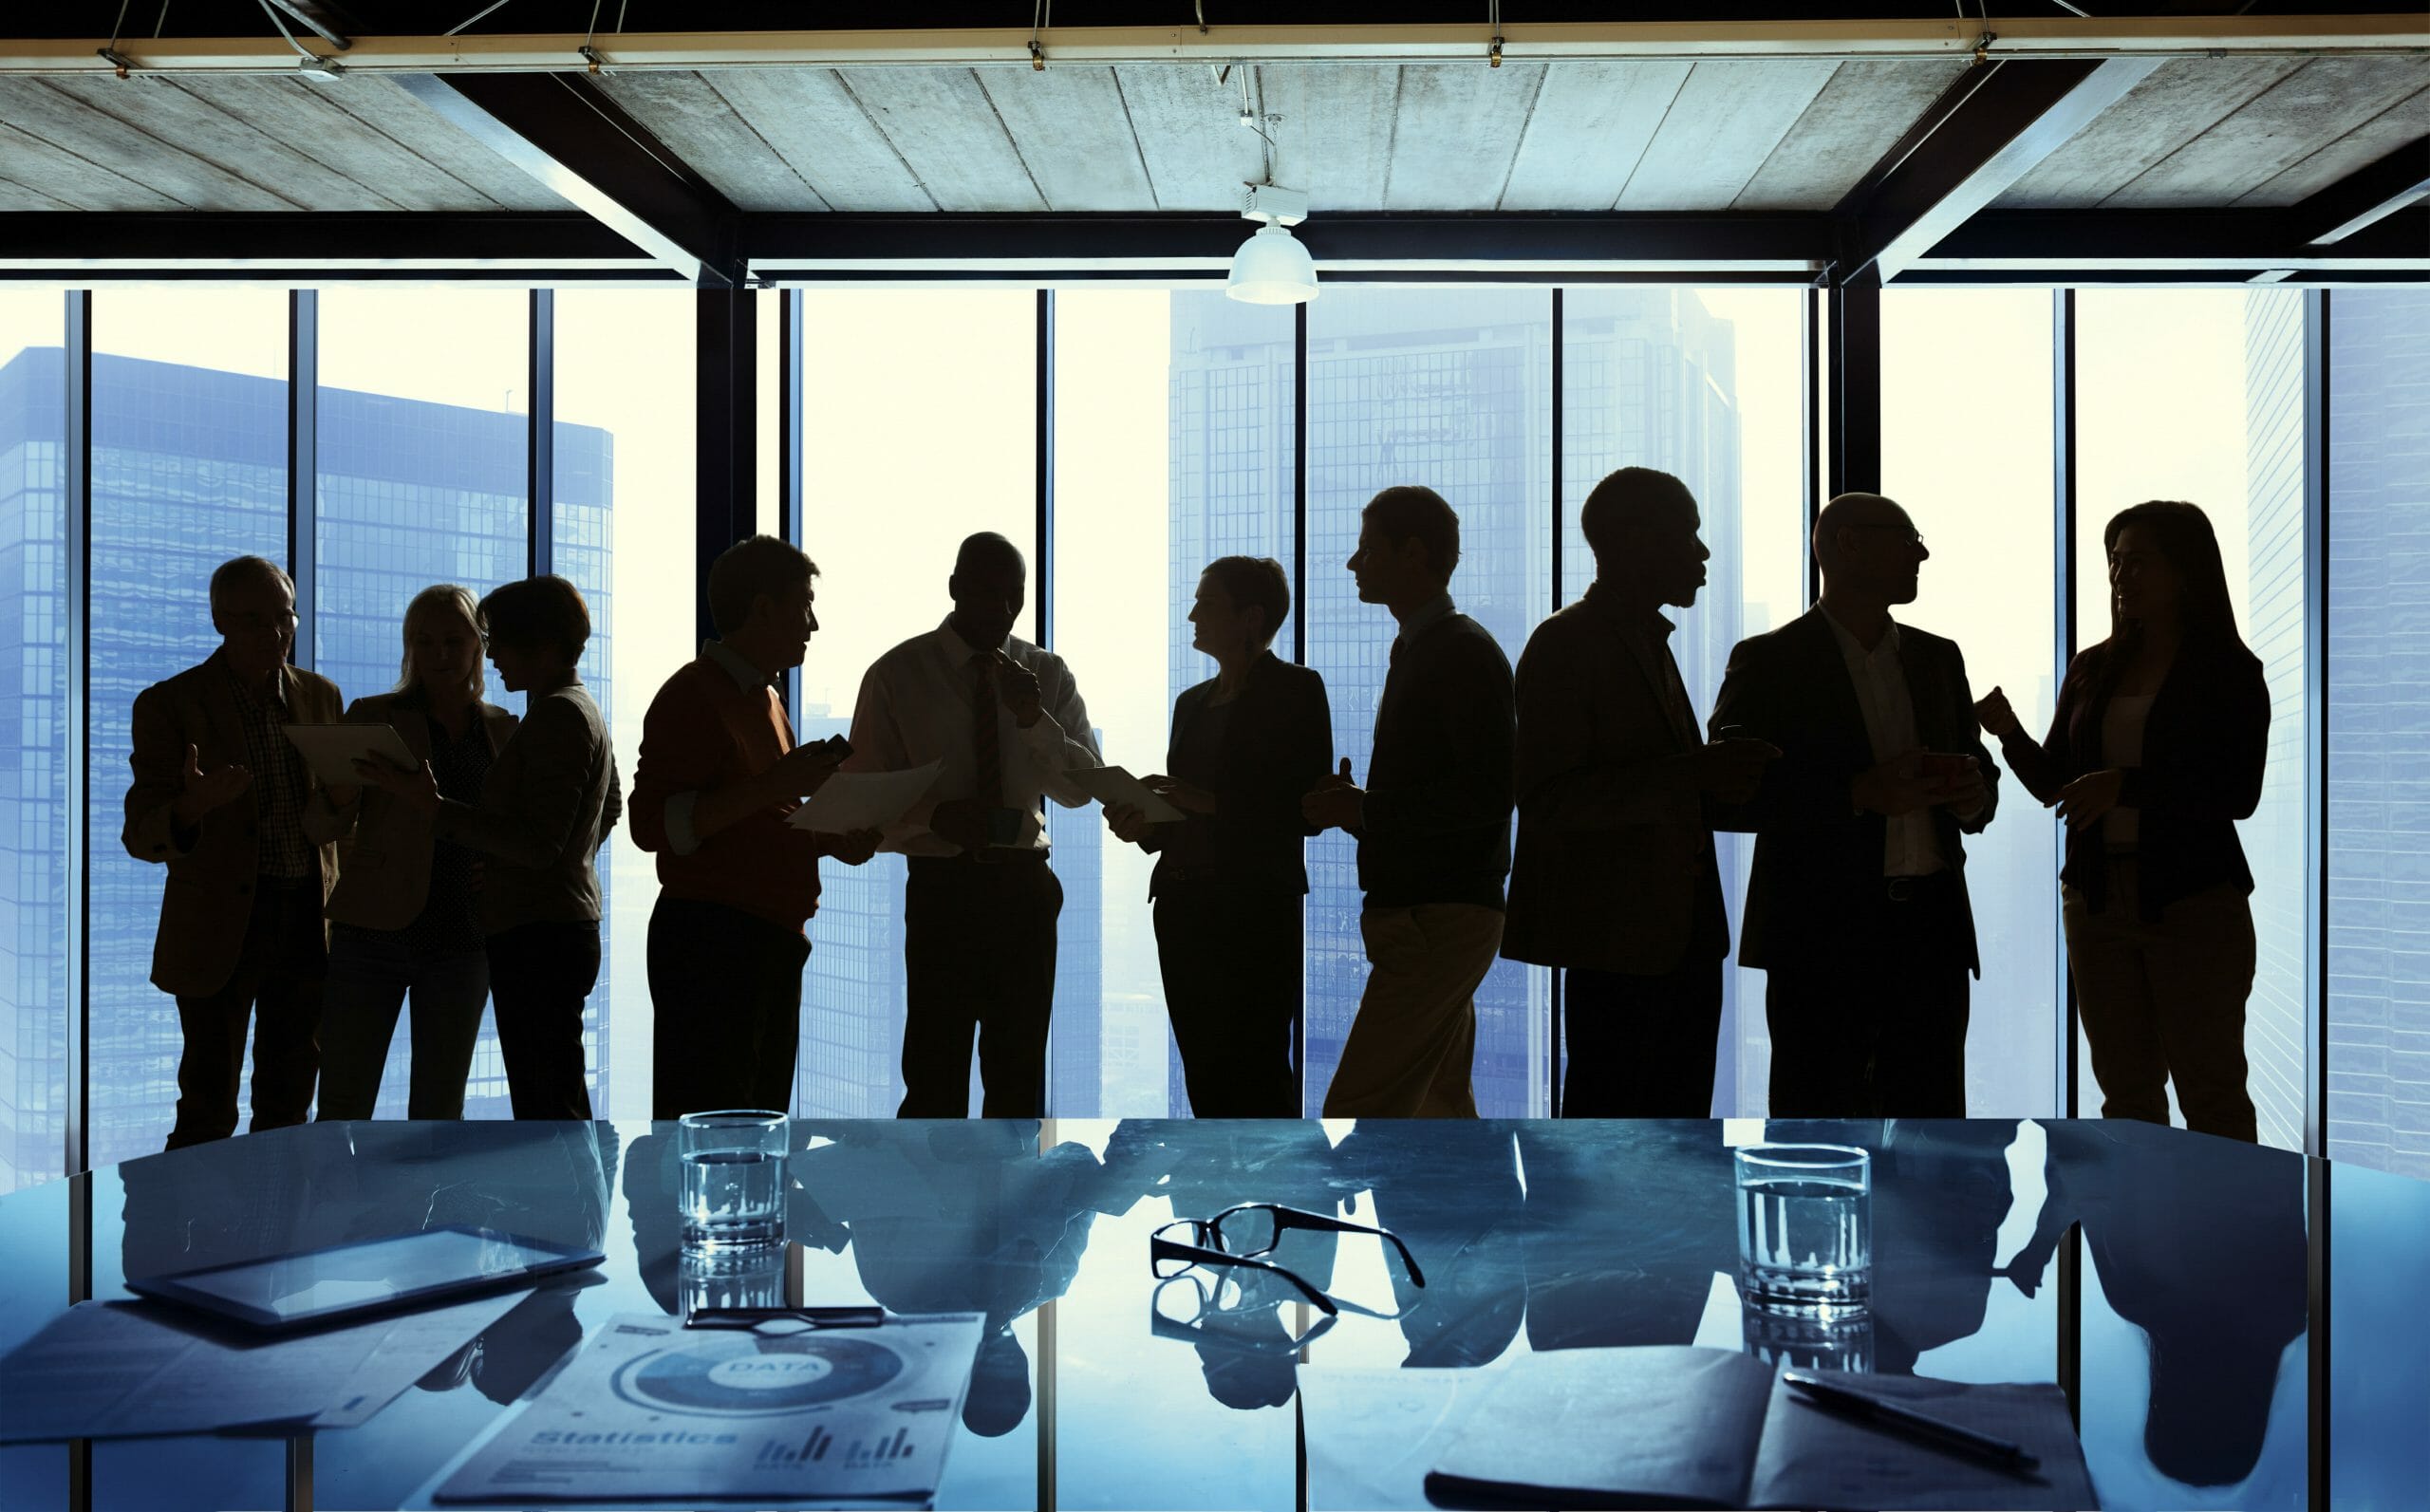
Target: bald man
<point x="1857" y="907"/>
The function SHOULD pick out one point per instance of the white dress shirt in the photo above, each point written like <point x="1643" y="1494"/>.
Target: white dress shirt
<point x="1910" y="848"/>
<point x="916" y="706"/>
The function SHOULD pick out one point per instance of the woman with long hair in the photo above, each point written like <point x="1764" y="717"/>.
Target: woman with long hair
<point x="404" y="917"/>
<point x="2154" y="754"/>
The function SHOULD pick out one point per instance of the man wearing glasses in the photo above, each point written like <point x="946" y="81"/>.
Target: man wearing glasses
<point x="218" y="797"/>
<point x="1857" y="907"/>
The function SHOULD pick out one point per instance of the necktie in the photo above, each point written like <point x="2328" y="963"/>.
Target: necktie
<point x="987" y="761"/>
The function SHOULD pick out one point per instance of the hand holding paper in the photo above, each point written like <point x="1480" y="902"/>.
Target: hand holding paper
<point x="864" y="800"/>
<point x="1113" y="786"/>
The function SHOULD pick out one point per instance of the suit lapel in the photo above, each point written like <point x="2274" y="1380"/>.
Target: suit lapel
<point x="1645" y="653"/>
<point x="1836" y="688"/>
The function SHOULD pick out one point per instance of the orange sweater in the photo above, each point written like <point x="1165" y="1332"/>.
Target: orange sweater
<point x="703" y="731"/>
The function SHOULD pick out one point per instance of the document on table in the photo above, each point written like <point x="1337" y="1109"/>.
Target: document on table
<point x="123" y="1369"/>
<point x="650" y="1410"/>
<point x="1112" y="785"/>
<point x="864" y="800"/>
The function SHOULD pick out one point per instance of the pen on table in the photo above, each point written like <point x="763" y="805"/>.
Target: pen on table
<point x="1900" y="1418"/>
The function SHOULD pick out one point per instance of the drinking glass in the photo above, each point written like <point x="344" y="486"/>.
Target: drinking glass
<point x="1805" y="1228"/>
<point x="734" y="1180"/>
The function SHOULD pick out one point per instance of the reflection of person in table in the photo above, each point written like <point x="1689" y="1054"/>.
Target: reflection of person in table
<point x="1451" y="1191"/>
<point x="1626" y="1222"/>
<point x="2199" y="1243"/>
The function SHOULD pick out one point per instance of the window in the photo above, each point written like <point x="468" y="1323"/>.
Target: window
<point x="1704" y="384"/>
<point x="35" y="1015"/>
<point x="1971" y="463"/>
<point x="885" y="374"/>
<point x="1448" y="387"/>
<point x="2199" y="395"/>
<point x="2379" y="738"/>
<point x="189" y="468"/>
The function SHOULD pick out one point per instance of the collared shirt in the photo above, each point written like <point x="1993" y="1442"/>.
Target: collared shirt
<point x="916" y="706"/>
<point x="681" y="837"/>
<point x="1909" y="847"/>
<point x="1424" y="617"/>
<point x="278" y="782"/>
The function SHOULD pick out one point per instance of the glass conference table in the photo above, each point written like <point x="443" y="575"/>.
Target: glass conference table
<point x="2239" y="1327"/>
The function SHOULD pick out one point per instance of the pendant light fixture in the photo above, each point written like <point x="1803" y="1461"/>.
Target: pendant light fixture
<point x="1271" y="267"/>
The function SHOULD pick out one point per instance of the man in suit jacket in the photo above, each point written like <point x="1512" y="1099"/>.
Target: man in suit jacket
<point x="1857" y="907"/>
<point x="1614" y="876"/>
<point x="218" y="797"/>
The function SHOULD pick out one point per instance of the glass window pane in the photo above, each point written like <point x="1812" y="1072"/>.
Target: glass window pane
<point x="424" y="477"/>
<point x="2199" y="395"/>
<point x="189" y="470"/>
<point x="919" y="427"/>
<point x="1448" y="387"/>
<point x="1704" y="384"/>
<point x="625" y="535"/>
<point x="35" y="1015"/>
<point x="2378" y="732"/>
<point x="1971" y="463"/>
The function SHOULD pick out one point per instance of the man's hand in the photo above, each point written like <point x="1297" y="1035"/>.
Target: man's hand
<point x="1992" y="713"/>
<point x="854" y="847"/>
<point x="960" y="822"/>
<point x="342" y="796"/>
<point x="1896" y="787"/>
<point x="1731" y="769"/>
<point x="1967" y="793"/>
<point x="1018" y="687"/>
<point x="803" y="769"/>
<point x="1337" y="804"/>
<point x="206" y="791"/>
<point x="1186" y="796"/>
<point x="415" y="785"/>
<point x="1129" y="824"/>
<point x="2090" y="796"/>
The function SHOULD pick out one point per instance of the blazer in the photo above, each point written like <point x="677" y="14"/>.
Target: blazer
<point x="546" y="809"/>
<point x="1435" y="826"/>
<point x="2205" y="744"/>
<point x="384" y="845"/>
<point x="1817" y="862"/>
<point x="209" y="899"/>
<point x="1614" y="868"/>
<point x="1277" y="745"/>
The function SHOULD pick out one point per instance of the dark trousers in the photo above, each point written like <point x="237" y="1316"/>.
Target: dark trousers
<point x="1233" y="969"/>
<point x="277" y="985"/>
<point x="725" y="996"/>
<point x="1642" y="1047"/>
<point x="978" y="957"/>
<point x="540" y="974"/>
<point x="1876" y="1029"/>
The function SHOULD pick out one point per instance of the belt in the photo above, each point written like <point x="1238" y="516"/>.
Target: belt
<point x="985" y="856"/>
<point x="1911" y="889"/>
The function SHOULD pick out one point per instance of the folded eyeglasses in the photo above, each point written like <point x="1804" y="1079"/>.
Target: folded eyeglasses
<point x="1240" y="1238"/>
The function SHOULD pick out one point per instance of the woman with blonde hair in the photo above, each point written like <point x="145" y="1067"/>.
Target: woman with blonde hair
<point x="405" y="918"/>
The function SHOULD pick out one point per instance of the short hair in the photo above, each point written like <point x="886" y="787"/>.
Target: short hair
<point x="237" y="568"/>
<point x="986" y="548"/>
<point x="1413" y="512"/>
<point x="1254" y="582"/>
<point x="748" y="569"/>
<point x="538" y="613"/>
<point x="1623" y="499"/>
<point x="448" y="598"/>
<point x="1829" y="520"/>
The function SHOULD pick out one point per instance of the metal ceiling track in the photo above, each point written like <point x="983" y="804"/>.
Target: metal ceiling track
<point x="2038" y="36"/>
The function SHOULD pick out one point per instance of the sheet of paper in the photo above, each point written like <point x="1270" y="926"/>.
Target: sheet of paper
<point x="1112" y="785"/>
<point x="652" y="1412"/>
<point x="864" y="800"/>
<point x="329" y="750"/>
<point x="121" y="1369"/>
<point x="1812" y="1457"/>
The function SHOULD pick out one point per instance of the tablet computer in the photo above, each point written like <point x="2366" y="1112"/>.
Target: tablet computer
<point x="329" y="750"/>
<point x="368" y="1275"/>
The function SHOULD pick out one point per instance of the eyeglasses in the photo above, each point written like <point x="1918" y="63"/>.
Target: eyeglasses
<point x="1187" y="1309"/>
<point x="1913" y="537"/>
<point x="283" y="620"/>
<point x="1238" y="1238"/>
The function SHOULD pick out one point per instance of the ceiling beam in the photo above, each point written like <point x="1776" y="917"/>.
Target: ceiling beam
<point x="2366" y="196"/>
<point x="566" y="133"/>
<point x="2200" y="246"/>
<point x="366" y="244"/>
<point x="1987" y="130"/>
<point x="2055" y="35"/>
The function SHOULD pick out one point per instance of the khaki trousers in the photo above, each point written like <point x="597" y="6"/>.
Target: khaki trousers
<point x="1413" y="1043"/>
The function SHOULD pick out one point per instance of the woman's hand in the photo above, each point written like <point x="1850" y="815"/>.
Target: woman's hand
<point x="1992" y="713"/>
<point x="1127" y="821"/>
<point x="1186" y="796"/>
<point x="413" y="785"/>
<point x="2086" y="799"/>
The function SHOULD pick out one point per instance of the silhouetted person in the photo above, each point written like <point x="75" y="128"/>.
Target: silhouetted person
<point x="1626" y="1224"/>
<point x="1857" y="907"/>
<point x="1453" y="1197"/>
<point x="1614" y="876"/>
<point x="1433" y="823"/>
<point x="719" y="778"/>
<point x="218" y="797"/>
<point x="1005" y="720"/>
<point x="546" y="809"/>
<point x="2155" y="752"/>
<point x="405" y="917"/>
<point x="1230" y="878"/>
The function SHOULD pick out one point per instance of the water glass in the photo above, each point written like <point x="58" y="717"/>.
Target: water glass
<point x="1805" y="1228"/>
<point x="734" y="1180"/>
